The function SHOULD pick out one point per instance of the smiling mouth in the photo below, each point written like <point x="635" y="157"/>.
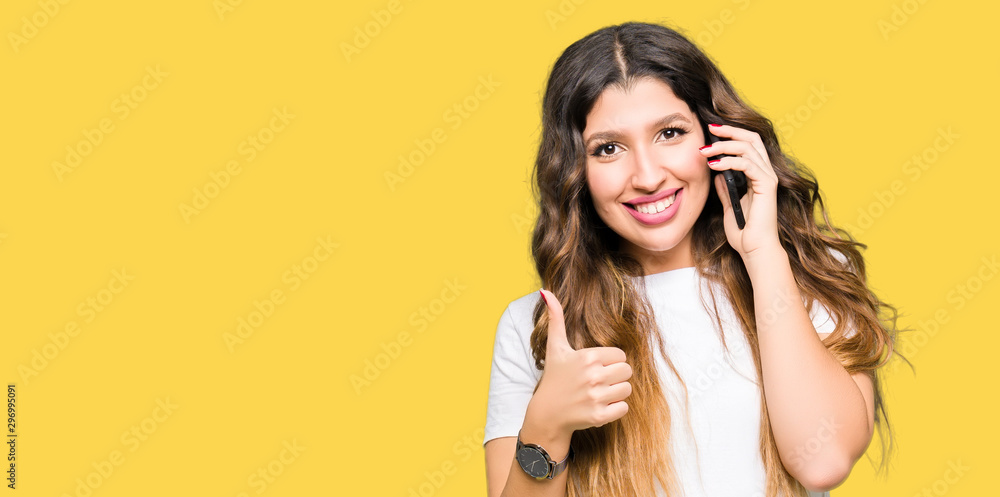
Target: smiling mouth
<point x="654" y="207"/>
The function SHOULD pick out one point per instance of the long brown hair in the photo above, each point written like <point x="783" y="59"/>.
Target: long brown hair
<point x="576" y="255"/>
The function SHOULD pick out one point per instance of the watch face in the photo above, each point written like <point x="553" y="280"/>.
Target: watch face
<point x="533" y="462"/>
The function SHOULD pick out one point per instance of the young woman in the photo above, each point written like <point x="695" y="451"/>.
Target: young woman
<point x="672" y="351"/>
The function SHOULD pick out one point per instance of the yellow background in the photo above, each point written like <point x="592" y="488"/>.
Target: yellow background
<point x="462" y="216"/>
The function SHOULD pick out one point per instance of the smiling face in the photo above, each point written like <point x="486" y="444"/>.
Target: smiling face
<point x="642" y="146"/>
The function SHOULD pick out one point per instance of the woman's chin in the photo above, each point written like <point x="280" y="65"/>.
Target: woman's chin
<point x="658" y="245"/>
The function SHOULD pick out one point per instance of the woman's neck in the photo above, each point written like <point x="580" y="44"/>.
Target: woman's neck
<point x="658" y="262"/>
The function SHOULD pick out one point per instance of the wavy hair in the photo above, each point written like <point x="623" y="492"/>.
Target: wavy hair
<point x="577" y="257"/>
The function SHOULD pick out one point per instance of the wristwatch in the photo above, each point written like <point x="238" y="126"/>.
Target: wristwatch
<point x="537" y="463"/>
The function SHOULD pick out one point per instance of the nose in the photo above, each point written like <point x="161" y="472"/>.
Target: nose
<point x="648" y="173"/>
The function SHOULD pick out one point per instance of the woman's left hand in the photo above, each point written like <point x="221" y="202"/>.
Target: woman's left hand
<point x="745" y="152"/>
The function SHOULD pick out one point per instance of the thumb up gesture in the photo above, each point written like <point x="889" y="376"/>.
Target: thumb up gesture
<point x="582" y="388"/>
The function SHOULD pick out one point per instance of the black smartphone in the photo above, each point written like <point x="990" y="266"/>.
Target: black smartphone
<point x="736" y="181"/>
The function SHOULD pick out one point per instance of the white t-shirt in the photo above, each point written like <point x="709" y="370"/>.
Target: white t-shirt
<point x="724" y="396"/>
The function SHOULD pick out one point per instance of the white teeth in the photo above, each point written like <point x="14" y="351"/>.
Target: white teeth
<point x="658" y="206"/>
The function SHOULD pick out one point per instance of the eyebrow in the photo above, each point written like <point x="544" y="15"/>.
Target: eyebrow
<point x="614" y="135"/>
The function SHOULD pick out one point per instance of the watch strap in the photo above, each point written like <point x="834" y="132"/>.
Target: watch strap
<point x="555" y="468"/>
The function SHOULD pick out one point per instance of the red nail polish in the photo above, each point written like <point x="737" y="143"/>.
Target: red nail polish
<point x="716" y="125"/>
<point x="543" y="297"/>
<point x="703" y="148"/>
<point x="713" y="162"/>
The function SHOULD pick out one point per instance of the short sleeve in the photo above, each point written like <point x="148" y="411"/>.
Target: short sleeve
<point x="840" y="256"/>
<point x="513" y="374"/>
<point x="824" y="321"/>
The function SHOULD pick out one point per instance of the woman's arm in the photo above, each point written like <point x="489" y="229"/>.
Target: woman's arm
<point x="505" y="478"/>
<point x="578" y="389"/>
<point x="821" y="416"/>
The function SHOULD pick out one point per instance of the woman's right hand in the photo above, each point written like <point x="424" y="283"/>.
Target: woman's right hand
<point x="582" y="388"/>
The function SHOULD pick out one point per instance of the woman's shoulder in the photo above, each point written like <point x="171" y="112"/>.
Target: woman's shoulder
<point x="512" y="354"/>
<point x="520" y="310"/>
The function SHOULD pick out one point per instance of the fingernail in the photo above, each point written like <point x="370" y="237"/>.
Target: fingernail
<point x="703" y="148"/>
<point x="543" y="297"/>
<point x="713" y="162"/>
<point x="716" y="125"/>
